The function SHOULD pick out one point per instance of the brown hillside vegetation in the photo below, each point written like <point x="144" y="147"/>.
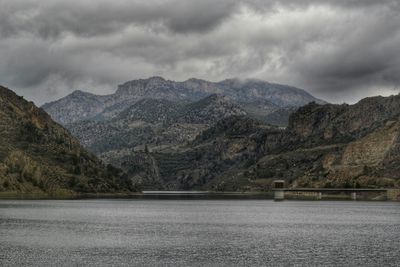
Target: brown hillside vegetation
<point x="38" y="155"/>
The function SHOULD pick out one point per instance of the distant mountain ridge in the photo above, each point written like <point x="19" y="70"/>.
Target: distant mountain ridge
<point x="81" y="106"/>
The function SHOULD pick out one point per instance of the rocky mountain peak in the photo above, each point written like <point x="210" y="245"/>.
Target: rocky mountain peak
<point x="79" y="93"/>
<point x="196" y="80"/>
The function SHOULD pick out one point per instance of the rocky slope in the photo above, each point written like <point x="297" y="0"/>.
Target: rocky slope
<point x="324" y="146"/>
<point x="258" y="96"/>
<point x="231" y="144"/>
<point x="38" y="155"/>
<point x="333" y="123"/>
<point x="341" y="146"/>
<point x="154" y="122"/>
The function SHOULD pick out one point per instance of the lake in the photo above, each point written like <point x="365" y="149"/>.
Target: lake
<point x="198" y="232"/>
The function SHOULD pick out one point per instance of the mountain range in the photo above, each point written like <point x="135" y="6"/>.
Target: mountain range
<point x="158" y="115"/>
<point x="209" y="142"/>
<point x="215" y="136"/>
<point x="257" y="97"/>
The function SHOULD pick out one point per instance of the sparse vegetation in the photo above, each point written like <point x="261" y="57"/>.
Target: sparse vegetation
<point x="41" y="157"/>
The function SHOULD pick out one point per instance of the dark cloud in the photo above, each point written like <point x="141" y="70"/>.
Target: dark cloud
<point x="50" y="19"/>
<point x="338" y="50"/>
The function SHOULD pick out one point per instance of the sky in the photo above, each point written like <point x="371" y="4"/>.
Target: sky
<point x="340" y="51"/>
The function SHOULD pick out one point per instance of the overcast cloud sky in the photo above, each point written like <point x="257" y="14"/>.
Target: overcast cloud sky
<point x="340" y="51"/>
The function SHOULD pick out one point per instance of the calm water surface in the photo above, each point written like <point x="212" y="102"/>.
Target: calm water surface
<point x="198" y="233"/>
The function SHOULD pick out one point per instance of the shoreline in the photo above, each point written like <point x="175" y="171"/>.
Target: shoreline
<point x="205" y="195"/>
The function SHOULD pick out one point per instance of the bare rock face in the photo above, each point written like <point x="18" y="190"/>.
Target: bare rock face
<point x="349" y="145"/>
<point x="335" y="122"/>
<point x="372" y="149"/>
<point x="363" y="162"/>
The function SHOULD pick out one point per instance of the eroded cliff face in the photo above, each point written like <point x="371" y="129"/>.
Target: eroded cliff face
<point x="372" y="149"/>
<point x="334" y="123"/>
<point x="340" y="146"/>
<point x="363" y="162"/>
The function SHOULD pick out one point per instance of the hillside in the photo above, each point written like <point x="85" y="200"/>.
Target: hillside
<point x="324" y="146"/>
<point x="255" y="96"/>
<point x="154" y="122"/>
<point x="231" y="144"/>
<point x="38" y="155"/>
<point x="151" y="111"/>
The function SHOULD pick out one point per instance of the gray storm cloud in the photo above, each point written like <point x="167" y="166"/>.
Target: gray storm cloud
<point x="338" y="50"/>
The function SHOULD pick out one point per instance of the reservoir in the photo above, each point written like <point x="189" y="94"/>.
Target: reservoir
<point x="198" y="232"/>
